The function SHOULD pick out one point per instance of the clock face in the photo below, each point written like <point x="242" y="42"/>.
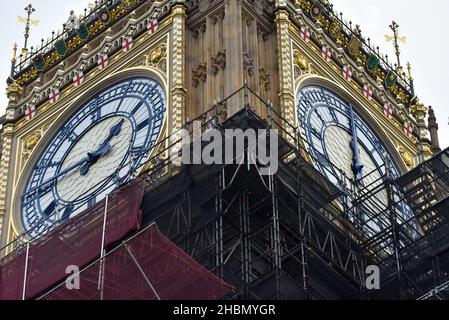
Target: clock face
<point x="100" y="147"/>
<point x="342" y="144"/>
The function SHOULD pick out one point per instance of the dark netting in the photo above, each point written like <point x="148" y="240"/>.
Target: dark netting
<point x="147" y="267"/>
<point x="76" y="242"/>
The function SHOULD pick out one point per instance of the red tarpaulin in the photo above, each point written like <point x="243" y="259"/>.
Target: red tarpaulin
<point x="77" y="242"/>
<point x="147" y="267"/>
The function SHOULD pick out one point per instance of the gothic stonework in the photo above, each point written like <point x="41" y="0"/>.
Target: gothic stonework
<point x="199" y="74"/>
<point x="287" y="102"/>
<point x="264" y="79"/>
<point x="5" y="174"/>
<point x="218" y="62"/>
<point x="178" y="88"/>
<point x="203" y="52"/>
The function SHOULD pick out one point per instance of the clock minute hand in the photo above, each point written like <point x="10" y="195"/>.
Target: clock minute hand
<point x="357" y="167"/>
<point x="59" y="175"/>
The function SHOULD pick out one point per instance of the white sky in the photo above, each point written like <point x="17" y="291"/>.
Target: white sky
<point x="424" y="24"/>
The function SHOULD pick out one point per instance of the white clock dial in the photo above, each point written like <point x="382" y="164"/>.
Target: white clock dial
<point x="99" y="148"/>
<point x="339" y="140"/>
<point x="74" y="185"/>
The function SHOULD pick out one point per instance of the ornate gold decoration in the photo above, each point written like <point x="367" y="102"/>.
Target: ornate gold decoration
<point x="32" y="141"/>
<point x="29" y="144"/>
<point x="14" y="91"/>
<point x="157" y="54"/>
<point x="419" y="112"/>
<point x="407" y="157"/>
<point x="157" y="57"/>
<point x="335" y="29"/>
<point x="302" y="62"/>
<point x="355" y="43"/>
<point x="128" y="4"/>
<point x="116" y="14"/>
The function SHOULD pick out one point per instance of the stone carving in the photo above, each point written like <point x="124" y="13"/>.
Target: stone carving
<point x="157" y="58"/>
<point x="199" y="73"/>
<point x="264" y="79"/>
<point x="203" y="5"/>
<point x="218" y="62"/>
<point x="248" y="64"/>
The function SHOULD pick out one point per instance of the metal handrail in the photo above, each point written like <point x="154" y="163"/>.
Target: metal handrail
<point x="366" y="45"/>
<point x="88" y="19"/>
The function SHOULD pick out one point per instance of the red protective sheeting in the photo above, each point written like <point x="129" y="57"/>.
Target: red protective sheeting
<point x="76" y="242"/>
<point x="160" y="268"/>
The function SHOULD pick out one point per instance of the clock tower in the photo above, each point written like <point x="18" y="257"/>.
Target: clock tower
<point x="91" y="104"/>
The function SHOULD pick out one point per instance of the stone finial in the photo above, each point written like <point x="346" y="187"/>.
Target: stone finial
<point x="433" y="129"/>
<point x="14" y="92"/>
<point x="419" y="112"/>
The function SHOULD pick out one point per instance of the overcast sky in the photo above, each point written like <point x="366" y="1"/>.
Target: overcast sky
<point x="424" y="24"/>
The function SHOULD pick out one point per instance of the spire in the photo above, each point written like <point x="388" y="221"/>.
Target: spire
<point x="410" y="78"/>
<point x="433" y="128"/>
<point x="396" y="39"/>
<point x="28" y="23"/>
<point x="14" y="58"/>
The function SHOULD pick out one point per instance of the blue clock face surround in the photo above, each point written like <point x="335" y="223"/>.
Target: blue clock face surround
<point x="98" y="148"/>
<point x="342" y="143"/>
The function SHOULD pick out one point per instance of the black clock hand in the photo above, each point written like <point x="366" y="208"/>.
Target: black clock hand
<point x="104" y="148"/>
<point x="59" y="175"/>
<point x="357" y="167"/>
<point x="115" y="130"/>
<point x="94" y="157"/>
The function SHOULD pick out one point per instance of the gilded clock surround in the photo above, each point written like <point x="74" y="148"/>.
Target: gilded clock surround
<point x="202" y="52"/>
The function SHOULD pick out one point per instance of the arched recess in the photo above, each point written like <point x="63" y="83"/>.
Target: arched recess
<point x="71" y="108"/>
<point x="360" y="107"/>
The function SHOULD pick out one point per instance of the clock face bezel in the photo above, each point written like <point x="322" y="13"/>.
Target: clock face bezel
<point x="361" y="115"/>
<point x="362" y="125"/>
<point x="156" y="106"/>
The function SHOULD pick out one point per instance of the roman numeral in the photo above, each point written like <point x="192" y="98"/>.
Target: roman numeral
<point x="136" y="108"/>
<point x="96" y="115"/>
<point x="315" y="132"/>
<point x="67" y="212"/>
<point x="92" y="202"/>
<point x="49" y="210"/>
<point x="143" y="124"/>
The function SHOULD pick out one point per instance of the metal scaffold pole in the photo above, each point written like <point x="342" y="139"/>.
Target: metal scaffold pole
<point x="25" y="273"/>
<point x="394" y="229"/>
<point x="301" y="211"/>
<point x="276" y="243"/>
<point x="245" y="241"/>
<point x="219" y="255"/>
<point x="103" y="252"/>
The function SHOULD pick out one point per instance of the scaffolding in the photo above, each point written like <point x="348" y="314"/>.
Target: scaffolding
<point x="293" y="234"/>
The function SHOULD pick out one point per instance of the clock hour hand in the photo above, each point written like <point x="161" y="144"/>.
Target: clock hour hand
<point x="104" y="148"/>
<point x="93" y="157"/>
<point x="114" y="131"/>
